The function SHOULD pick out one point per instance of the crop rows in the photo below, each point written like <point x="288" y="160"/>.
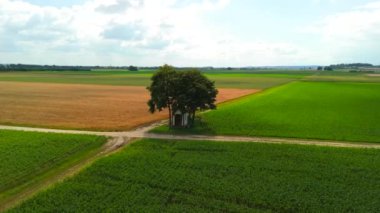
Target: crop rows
<point x="24" y="155"/>
<point x="154" y="175"/>
<point x="315" y="110"/>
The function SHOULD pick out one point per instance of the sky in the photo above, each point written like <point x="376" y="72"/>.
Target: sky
<point x="189" y="32"/>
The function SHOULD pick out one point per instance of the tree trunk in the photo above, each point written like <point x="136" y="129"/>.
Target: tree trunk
<point x="170" y="117"/>
<point x="193" y="118"/>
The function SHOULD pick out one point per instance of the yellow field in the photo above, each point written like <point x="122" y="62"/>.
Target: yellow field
<point x="92" y="107"/>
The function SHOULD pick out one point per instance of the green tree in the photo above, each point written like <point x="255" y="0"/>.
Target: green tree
<point x="162" y="90"/>
<point x="133" y="68"/>
<point x="187" y="91"/>
<point x="195" y="92"/>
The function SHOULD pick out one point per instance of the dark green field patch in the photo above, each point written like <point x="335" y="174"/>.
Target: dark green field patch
<point x="164" y="176"/>
<point x="26" y="155"/>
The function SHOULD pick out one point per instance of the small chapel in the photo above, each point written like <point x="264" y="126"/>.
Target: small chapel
<point x="180" y="119"/>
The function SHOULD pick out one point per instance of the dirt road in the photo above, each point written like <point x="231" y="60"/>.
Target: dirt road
<point x="143" y="132"/>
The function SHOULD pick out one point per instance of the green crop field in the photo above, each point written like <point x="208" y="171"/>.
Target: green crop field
<point x="254" y="80"/>
<point x="26" y="156"/>
<point x="318" y="110"/>
<point x="142" y="78"/>
<point x="155" y="175"/>
<point x="258" y="79"/>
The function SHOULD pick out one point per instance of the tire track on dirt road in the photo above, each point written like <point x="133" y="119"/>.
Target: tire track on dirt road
<point x="143" y="132"/>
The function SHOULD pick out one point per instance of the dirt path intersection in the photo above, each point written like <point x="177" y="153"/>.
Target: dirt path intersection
<point x="143" y="132"/>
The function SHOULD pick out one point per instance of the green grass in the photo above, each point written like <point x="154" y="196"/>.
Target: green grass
<point x="142" y="78"/>
<point x="177" y="176"/>
<point x="253" y="80"/>
<point x="315" y="110"/>
<point x="27" y="156"/>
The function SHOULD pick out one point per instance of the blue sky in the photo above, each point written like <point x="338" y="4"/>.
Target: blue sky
<point x="189" y="32"/>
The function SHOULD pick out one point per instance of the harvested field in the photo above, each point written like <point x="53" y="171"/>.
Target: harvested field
<point x="93" y="107"/>
<point x="374" y="75"/>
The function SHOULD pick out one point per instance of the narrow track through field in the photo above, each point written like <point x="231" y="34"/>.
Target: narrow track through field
<point x="143" y="132"/>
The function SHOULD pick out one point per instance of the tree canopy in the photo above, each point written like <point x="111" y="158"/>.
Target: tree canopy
<point x="187" y="91"/>
<point x="133" y="68"/>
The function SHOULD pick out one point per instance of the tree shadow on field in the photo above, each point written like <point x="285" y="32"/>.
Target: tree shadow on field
<point x="200" y="127"/>
<point x="203" y="126"/>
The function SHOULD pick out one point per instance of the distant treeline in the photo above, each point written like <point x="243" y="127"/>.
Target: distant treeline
<point x="31" y="67"/>
<point x="357" y="67"/>
<point x="350" y="66"/>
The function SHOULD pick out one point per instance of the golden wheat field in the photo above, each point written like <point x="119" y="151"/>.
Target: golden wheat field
<point x="92" y="107"/>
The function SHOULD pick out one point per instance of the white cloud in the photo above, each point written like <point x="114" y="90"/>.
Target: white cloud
<point x="371" y="5"/>
<point x="316" y="2"/>
<point x="350" y="36"/>
<point x="122" y="32"/>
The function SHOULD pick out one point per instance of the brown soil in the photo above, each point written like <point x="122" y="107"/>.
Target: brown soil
<point x="373" y="75"/>
<point x="92" y="107"/>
